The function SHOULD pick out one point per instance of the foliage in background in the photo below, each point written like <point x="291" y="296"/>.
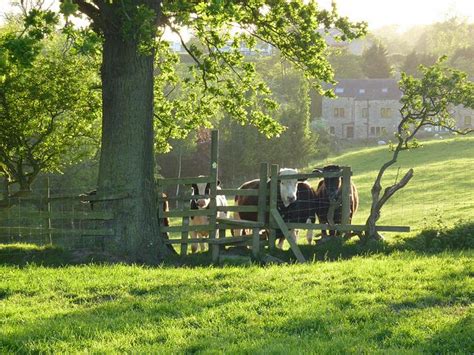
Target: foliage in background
<point x="375" y="62"/>
<point x="49" y="103"/>
<point x="444" y="38"/>
<point x="413" y="60"/>
<point x="346" y="65"/>
<point x="453" y="37"/>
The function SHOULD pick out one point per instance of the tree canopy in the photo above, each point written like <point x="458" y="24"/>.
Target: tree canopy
<point x="220" y="77"/>
<point x="49" y="103"/>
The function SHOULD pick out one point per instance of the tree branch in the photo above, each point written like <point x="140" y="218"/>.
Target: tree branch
<point x="89" y="10"/>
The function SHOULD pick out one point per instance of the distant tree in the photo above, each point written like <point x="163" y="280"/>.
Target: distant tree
<point x="413" y="61"/>
<point x="375" y="62"/>
<point x="49" y="104"/>
<point x="426" y="101"/>
<point x="346" y="65"/>
<point x="463" y="59"/>
<point x="444" y="38"/>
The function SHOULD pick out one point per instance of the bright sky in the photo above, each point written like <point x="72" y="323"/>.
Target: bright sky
<point x="405" y="13"/>
<point x="378" y="13"/>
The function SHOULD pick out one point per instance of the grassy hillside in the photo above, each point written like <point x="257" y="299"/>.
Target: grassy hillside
<point x="413" y="294"/>
<point x="442" y="187"/>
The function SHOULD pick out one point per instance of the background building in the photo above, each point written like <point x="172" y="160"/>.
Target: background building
<point x="369" y="108"/>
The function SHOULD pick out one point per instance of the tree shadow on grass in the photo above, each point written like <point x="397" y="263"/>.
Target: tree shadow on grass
<point x="431" y="241"/>
<point x="126" y="319"/>
<point x="456" y="338"/>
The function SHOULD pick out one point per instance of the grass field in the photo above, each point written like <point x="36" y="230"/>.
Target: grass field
<point x="412" y="294"/>
<point x="442" y="186"/>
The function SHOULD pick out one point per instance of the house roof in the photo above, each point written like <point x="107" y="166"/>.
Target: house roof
<point x="367" y="89"/>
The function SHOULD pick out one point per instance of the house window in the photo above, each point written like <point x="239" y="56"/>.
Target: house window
<point x="332" y="130"/>
<point x="386" y="112"/>
<point x="350" y="131"/>
<point x="339" y="112"/>
<point x="377" y="131"/>
<point x="468" y="121"/>
<point x="365" y="112"/>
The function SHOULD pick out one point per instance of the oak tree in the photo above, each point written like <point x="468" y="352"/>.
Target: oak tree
<point x="219" y="77"/>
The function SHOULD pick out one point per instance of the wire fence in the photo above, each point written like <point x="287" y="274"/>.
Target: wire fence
<point x="66" y="218"/>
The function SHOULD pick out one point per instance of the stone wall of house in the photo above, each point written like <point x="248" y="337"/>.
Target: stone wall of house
<point x="369" y="118"/>
<point x="464" y="117"/>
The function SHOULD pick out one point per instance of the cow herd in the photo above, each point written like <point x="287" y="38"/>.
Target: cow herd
<point x="297" y="202"/>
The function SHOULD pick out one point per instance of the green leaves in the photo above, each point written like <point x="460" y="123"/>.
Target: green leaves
<point x="49" y="109"/>
<point x="68" y="8"/>
<point x="225" y="79"/>
<point x="429" y="100"/>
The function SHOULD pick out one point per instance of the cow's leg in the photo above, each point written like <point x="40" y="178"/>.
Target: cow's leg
<point x="280" y="242"/>
<point x="324" y="232"/>
<point x="294" y="235"/>
<point x="309" y="232"/>
<point x="237" y="232"/>
<point x="194" y="246"/>
<point x="202" y="245"/>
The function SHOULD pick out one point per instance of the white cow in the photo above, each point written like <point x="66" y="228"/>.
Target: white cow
<point x="202" y="203"/>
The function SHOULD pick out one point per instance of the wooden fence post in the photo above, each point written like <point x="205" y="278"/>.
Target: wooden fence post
<point x="273" y="204"/>
<point x="213" y="193"/>
<point x="183" y="205"/>
<point x="346" y="195"/>
<point x="262" y="201"/>
<point x="49" y="209"/>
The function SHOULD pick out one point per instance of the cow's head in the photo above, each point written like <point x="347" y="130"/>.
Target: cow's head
<point x="332" y="184"/>
<point x="202" y="189"/>
<point x="288" y="187"/>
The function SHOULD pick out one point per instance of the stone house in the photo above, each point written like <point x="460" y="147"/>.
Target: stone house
<point x="369" y="108"/>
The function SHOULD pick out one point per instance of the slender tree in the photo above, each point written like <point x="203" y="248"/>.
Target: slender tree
<point x="426" y="101"/>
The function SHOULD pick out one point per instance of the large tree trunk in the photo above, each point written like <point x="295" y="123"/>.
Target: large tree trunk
<point x="126" y="162"/>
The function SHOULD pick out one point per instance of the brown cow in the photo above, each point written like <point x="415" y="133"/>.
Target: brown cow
<point x="329" y="190"/>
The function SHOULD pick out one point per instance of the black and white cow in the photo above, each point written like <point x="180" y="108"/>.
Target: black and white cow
<point x="296" y="202"/>
<point x="203" y="190"/>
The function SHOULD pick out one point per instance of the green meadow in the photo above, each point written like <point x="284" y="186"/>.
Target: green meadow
<point x="413" y="293"/>
<point x="442" y="187"/>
